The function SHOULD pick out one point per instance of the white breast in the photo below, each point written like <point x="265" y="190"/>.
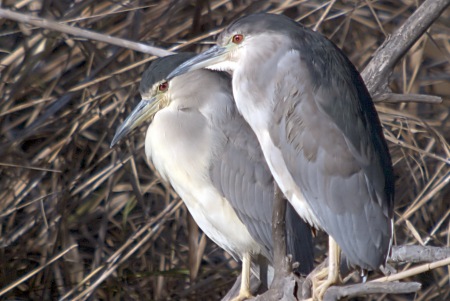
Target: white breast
<point x="184" y="162"/>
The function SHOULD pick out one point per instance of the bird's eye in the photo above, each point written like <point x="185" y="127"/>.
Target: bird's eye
<point x="237" y="39"/>
<point x="163" y="87"/>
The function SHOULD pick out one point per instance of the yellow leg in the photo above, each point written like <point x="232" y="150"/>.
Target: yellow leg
<point x="244" y="291"/>
<point x="321" y="286"/>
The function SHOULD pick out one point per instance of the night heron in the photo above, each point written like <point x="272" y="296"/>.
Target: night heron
<point x="205" y="149"/>
<point x="318" y="129"/>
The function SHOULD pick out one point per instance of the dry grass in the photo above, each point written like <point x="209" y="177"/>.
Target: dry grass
<point x="126" y="234"/>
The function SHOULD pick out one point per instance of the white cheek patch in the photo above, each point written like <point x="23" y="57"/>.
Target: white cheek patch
<point x="223" y="66"/>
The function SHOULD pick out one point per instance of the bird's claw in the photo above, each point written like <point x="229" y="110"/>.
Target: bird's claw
<point x="322" y="281"/>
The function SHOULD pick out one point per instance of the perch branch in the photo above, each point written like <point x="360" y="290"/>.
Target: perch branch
<point x="434" y="256"/>
<point x="282" y="266"/>
<point x="439" y="256"/>
<point x="361" y="289"/>
<point x="282" y="263"/>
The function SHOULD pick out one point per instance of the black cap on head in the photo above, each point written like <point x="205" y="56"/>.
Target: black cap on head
<point x="160" y="68"/>
<point x="260" y="23"/>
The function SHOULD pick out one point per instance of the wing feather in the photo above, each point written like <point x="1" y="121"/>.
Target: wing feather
<point x="242" y="175"/>
<point x="331" y="140"/>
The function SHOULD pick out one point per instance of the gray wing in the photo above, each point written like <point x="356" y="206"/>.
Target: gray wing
<point x="242" y="175"/>
<point x="331" y="140"/>
<point x="244" y="181"/>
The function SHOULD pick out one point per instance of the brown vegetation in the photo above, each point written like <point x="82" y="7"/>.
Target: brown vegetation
<point x="79" y="219"/>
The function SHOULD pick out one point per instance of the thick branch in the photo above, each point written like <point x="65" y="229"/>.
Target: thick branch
<point x="44" y="23"/>
<point x="416" y="254"/>
<point x="361" y="289"/>
<point x="376" y="74"/>
<point x="283" y="282"/>
<point x="395" y="98"/>
<point x="282" y="266"/>
<point x="285" y="290"/>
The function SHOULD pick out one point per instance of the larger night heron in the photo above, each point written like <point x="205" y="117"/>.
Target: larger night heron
<point x="205" y="149"/>
<point x="318" y="129"/>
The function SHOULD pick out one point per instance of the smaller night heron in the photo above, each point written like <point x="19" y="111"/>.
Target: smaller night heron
<point x="318" y="128"/>
<point x="199" y="143"/>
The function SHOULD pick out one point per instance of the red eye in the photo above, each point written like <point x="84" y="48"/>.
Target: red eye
<point x="237" y="39"/>
<point x="163" y="87"/>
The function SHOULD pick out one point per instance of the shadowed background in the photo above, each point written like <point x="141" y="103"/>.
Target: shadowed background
<point x="62" y="187"/>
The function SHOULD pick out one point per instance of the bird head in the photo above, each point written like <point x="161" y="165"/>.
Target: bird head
<point x="155" y="93"/>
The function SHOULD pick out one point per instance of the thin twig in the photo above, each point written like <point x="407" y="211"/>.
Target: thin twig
<point x="396" y="98"/>
<point x="45" y="23"/>
<point x="35" y="271"/>
<point x="414" y="271"/>
<point x="377" y="72"/>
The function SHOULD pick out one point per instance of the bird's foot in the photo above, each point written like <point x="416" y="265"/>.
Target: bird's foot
<point x="322" y="281"/>
<point x="317" y="280"/>
<point x="329" y="276"/>
<point x="244" y="291"/>
<point x="243" y="295"/>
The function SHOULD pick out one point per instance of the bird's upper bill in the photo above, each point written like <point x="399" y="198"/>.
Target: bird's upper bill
<point x="145" y="110"/>
<point x="215" y="58"/>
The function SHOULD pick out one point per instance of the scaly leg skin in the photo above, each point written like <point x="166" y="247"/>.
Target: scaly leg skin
<point x="320" y="285"/>
<point x="244" y="291"/>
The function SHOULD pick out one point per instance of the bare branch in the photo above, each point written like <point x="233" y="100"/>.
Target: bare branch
<point x="234" y="291"/>
<point x="44" y="23"/>
<point x="377" y="72"/>
<point x="282" y="267"/>
<point x="395" y="98"/>
<point x="415" y="271"/>
<point x="285" y="290"/>
<point x="35" y="271"/>
<point x="283" y="279"/>
<point x="416" y="254"/>
<point x="361" y="289"/>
